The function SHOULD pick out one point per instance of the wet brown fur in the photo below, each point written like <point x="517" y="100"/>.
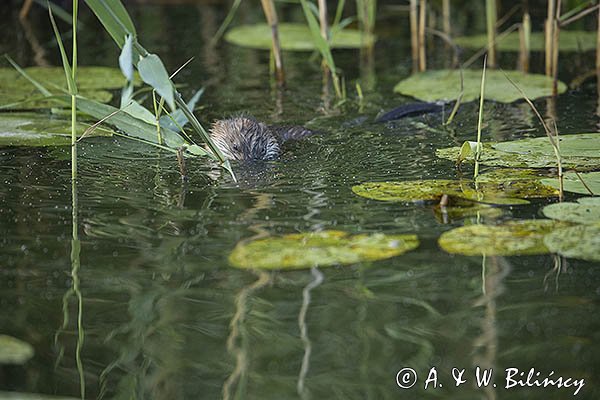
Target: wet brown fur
<point x="244" y="138"/>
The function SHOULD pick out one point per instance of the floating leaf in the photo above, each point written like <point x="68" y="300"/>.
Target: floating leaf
<point x="585" y="211"/>
<point x="502" y="191"/>
<point x="580" y="145"/>
<point x="16" y="92"/>
<point x="444" y="85"/>
<point x="493" y="157"/>
<point x="31" y="129"/>
<point x="14" y="351"/>
<point x="581" y="241"/>
<point x="294" y="37"/>
<point x="568" y="41"/>
<point x="306" y="250"/>
<point x="524" y="237"/>
<point x="572" y="182"/>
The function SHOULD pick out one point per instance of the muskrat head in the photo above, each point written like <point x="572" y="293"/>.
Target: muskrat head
<point x="243" y="138"/>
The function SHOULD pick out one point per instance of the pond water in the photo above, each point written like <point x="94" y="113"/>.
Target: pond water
<point x="155" y="311"/>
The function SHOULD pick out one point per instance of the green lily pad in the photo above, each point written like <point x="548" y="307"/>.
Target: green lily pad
<point x="31" y="129"/>
<point x="582" y="212"/>
<point x="580" y="145"/>
<point x="14" y="351"/>
<point x="306" y="250"/>
<point x="444" y="85"/>
<point x="568" y="41"/>
<point x="524" y="237"/>
<point x="293" y="37"/>
<point x="581" y="241"/>
<point x="493" y="157"/>
<point x="16" y="92"/>
<point x="504" y="191"/>
<point x="572" y="183"/>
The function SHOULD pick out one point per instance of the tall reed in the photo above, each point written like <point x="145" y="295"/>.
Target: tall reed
<point x="491" y="14"/>
<point x="479" y="147"/>
<point x="414" y="34"/>
<point x="271" y="15"/>
<point x="422" y="22"/>
<point x="525" y="42"/>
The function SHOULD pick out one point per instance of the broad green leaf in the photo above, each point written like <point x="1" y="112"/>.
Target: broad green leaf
<point x="572" y="182"/>
<point x="113" y="15"/>
<point x="34" y="129"/>
<point x="177" y="119"/>
<point x="153" y="72"/>
<point x="444" y="85"/>
<point x="568" y="41"/>
<point x="294" y="37"/>
<point x="581" y="241"/>
<point x="134" y="127"/>
<point x="311" y="249"/>
<point x="14" y="351"/>
<point x="126" y="58"/>
<point x="521" y="237"/>
<point x="140" y="112"/>
<point x="582" y="212"/>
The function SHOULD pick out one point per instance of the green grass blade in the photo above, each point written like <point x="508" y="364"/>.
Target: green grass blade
<point x="65" y="60"/>
<point x="113" y="15"/>
<point x="35" y="83"/>
<point x="315" y="31"/>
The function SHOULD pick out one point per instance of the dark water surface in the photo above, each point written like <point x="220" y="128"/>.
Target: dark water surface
<point x="157" y="312"/>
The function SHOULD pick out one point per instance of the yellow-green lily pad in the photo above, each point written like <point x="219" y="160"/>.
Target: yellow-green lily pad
<point x="31" y="129"/>
<point x="504" y="191"/>
<point x="568" y="41"/>
<point x="14" y="351"/>
<point x="579" y="144"/>
<point x="444" y="85"/>
<point x="523" y="237"/>
<point x="581" y="241"/>
<point x="17" y="93"/>
<point x="493" y="157"/>
<point x="326" y="248"/>
<point x="585" y="211"/>
<point x="572" y="182"/>
<point x="294" y="37"/>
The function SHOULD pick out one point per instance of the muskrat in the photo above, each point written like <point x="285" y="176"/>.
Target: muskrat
<point x="244" y="138"/>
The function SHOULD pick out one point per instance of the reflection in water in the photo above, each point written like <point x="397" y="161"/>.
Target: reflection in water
<point x="237" y="342"/>
<point x="485" y="346"/>
<point x="317" y="280"/>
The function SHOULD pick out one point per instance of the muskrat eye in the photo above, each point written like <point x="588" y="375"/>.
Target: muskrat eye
<point x="236" y="147"/>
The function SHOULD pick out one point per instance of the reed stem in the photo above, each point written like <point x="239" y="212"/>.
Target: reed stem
<point x="548" y="36"/>
<point x="480" y="121"/>
<point x="414" y="35"/>
<point x="271" y="15"/>
<point x="491" y="20"/>
<point x="446" y="17"/>
<point x="422" y="21"/>
<point x="525" y="42"/>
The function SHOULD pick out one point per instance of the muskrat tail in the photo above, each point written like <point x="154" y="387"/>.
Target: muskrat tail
<point x="285" y="133"/>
